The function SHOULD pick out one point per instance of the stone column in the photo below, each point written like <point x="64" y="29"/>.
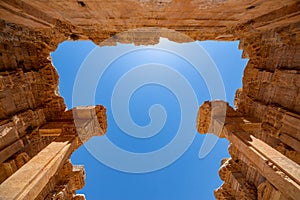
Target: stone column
<point x="30" y="179"/>
<point x="69" y="130"/>
<point x="218" y="117"/>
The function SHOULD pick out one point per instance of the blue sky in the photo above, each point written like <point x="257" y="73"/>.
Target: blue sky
<point x="188" y="177"/>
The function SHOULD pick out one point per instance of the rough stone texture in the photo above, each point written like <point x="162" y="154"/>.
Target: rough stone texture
<point x="64" y="183"/>
<point x="268" y="104"/>
<point x="49" y="174"/>
<point x="254" y="163"/>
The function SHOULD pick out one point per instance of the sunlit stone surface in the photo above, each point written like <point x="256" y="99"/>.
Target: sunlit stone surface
<point x="267" y="106"/>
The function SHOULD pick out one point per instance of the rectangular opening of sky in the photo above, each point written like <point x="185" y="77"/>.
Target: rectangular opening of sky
<point x="152" y="94"/>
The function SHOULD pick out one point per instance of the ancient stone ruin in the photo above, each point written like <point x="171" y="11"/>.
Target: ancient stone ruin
<point x="37" y="135"/>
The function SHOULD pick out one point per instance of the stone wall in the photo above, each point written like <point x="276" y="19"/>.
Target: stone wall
<point x="255" y="161"/>
<point x="269" y="36"/>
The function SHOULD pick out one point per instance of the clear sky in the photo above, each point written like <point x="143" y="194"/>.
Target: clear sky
<point x="188" y="177"/>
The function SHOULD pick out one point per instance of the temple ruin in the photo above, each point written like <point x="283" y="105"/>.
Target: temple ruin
<point x="37" y="135"/>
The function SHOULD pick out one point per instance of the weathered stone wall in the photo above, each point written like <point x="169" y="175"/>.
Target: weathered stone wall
<point x="255" y="163"/>
<point x="269" y="36"/>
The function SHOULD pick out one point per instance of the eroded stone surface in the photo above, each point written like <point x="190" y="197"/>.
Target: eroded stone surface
<point x="268" y="102"/>
<point x="252" y="160"/>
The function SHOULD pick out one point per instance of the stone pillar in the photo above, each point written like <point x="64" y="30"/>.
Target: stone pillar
<point x="279" y="170"/>
<point x="40" y="176"/>
<point x="30" y="179"/>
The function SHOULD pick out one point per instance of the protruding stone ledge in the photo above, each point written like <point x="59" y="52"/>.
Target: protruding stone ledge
<point x="82" y="122"/>
<point x="279" y="170"/>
